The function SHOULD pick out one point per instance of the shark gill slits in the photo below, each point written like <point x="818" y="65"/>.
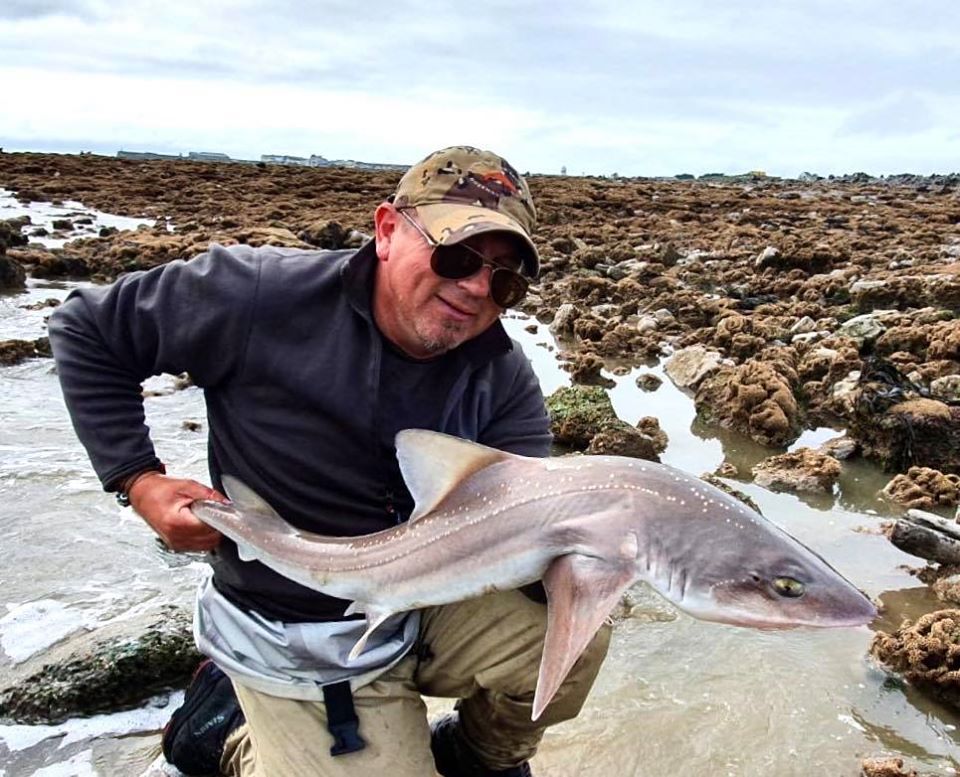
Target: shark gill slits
<point x="789" y="587"/>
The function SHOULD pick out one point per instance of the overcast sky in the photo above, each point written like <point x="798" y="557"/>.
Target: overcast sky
<point x="637" y="88"/>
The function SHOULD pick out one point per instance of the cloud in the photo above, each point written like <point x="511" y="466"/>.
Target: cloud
<point x="899" y="116"/>
<point x="638" y="87"/>
<point x="39" y="9"/>
<point x="246" y="120"/>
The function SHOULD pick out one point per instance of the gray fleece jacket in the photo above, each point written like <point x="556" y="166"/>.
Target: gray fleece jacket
<point x="301" y="391"/>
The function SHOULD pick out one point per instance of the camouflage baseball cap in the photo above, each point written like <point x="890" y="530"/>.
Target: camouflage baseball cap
<point x="462" y="191"/>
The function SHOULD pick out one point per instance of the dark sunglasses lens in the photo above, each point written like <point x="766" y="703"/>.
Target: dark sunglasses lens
<point x="507" y="288"/>
<point x="455" y="262"/>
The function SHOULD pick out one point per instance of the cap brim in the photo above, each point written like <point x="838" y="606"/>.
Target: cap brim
<point x="450" y="223"/>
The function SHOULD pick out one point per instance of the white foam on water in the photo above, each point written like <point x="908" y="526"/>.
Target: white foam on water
<point x="43" y="214"/>
<point x="152" y="717"/>
<point x="32" y="627"/>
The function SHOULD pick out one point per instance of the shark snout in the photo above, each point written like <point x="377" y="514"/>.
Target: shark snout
<point x="829" y="607"/>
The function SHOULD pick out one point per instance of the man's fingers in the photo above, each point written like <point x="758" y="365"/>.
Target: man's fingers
<point x="164" y="503"/>
<point x="187" y="532"/>
<point x="195" y="490"/>
<point x="216" y="496"/>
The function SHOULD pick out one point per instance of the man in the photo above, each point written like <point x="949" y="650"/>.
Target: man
<point x="311" y="362"/>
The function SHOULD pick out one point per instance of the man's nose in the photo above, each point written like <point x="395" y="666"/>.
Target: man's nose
<point x="477" y="284"/>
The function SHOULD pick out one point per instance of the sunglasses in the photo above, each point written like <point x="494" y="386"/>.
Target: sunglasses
<point x="458" y="261"/>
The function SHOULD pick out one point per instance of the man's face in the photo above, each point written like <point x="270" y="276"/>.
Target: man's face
<point x="420" y="312"/>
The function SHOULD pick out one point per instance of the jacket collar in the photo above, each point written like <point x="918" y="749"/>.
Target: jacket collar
<point x="357" y="274"/>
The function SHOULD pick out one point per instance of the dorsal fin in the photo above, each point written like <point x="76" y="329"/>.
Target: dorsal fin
<point x="433" y="464"/>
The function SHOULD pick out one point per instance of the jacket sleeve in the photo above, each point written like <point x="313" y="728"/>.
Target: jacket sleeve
<point x="182" y="317"/>
<point x="520" y="422"/>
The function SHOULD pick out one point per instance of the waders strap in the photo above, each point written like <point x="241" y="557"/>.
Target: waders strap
<point x="342" y="721"/>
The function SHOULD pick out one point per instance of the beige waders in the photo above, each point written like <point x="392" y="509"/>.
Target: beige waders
<point x="485" y="652"/>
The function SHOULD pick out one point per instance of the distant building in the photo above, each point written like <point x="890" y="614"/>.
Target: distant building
<point x="144" y="155"/>
<point x="208" y="156"/>
<point x="353" y="164"/>
<point x="315" y="160"/>
<point x="283" y="159"/>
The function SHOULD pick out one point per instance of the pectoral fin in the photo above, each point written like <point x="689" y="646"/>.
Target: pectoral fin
<point x="581" y="592"/>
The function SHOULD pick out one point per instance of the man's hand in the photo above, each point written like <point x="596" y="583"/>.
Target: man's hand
<point x="164" y="503"/>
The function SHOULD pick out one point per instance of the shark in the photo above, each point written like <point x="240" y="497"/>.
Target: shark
<point x="588" y="527"/>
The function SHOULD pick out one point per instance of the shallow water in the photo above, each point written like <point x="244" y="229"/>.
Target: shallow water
<point x="43" y="214"/>
<point x="675" y="697"/>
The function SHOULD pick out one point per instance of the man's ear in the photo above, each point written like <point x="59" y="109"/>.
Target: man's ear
<point x="385" y="225"/>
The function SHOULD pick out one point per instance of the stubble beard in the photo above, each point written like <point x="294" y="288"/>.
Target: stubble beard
<point x="440" y="340"/>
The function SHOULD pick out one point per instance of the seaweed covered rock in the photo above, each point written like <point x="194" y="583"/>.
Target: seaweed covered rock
<point x="895" y="421"/>
<point x="801" y="470"/>
<point x="583" y="418"/>
<point x="924" y="488"/>
<point x="917" y="431"/>
<point x="11" y="233"/>
<point x="577" y="413"/>
<point x="108" y="673"/>
<point x="15" y="351"/>
<point x="585" y="369"/>
<point x="648" y="382"/>
<point x="128" y="252"/>
<point x="906" y="291"/>
<point x="885" y="767"/>
<point x="324" y="233"/>
<point x="650" y="426"/>
<point x="267" y="236"/>
<point x="646" y="441"/>
<point x="753" y="398"/>
<point x="947" y="388"/>
<point x="52" y="263"/>
<point x="946" y="585"/>
<point x="12" y="275"/>
<point x="564" y="319"/>
<point x="926" y="654"/>
<point x="945" y="340"/>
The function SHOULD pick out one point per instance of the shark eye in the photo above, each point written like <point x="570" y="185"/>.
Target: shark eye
<point x="788" y="586"/>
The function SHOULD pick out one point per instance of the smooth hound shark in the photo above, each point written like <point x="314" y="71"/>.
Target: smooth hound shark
<point x="589" y="527"/>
